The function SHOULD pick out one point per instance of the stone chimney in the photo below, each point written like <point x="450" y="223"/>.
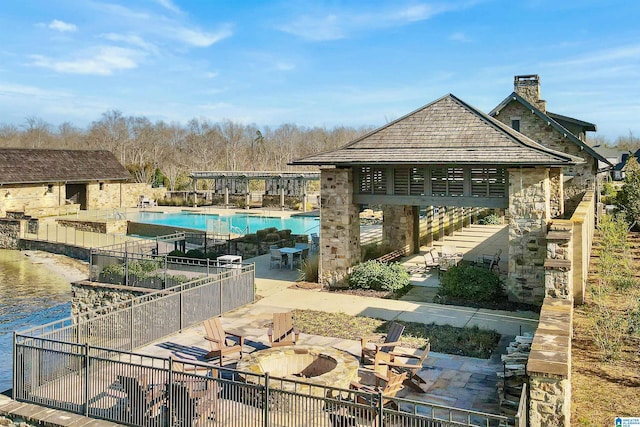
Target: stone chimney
<point x="528" y="87"/>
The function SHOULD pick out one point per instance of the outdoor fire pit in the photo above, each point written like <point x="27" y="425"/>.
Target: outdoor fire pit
<point x="316" y="366"/>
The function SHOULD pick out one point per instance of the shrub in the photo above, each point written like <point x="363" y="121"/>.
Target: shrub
<point x="469" y="283"/>
<point x="195" y="253"/>
<point x="253" y="238"/>
<point x="379" y="276"/>
<point x="176" y="253"/>
<point x="261" y="234"/>
<point x="309" y="269"/>
<point x="489" y="219"/>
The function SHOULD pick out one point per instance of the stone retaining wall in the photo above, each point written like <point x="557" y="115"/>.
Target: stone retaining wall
<point x="91" y="296"/>
<point x="10" y="232"/>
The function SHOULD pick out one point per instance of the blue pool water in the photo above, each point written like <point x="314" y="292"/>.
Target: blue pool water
<point x="223" y="224"/>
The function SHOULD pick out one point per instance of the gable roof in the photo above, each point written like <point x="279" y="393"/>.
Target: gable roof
<point x="446" y="131"/>
<point x="552" y="122"/>
<point x="28" y="166"/>
<point x="587" y="126"/>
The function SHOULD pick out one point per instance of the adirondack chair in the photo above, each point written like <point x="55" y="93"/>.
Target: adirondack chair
<point x="144" y="402"/>
<point x="219" y="340"/>
<point x="409" y="363"/>
<point x="191" y="407"/>
<point x="369" y="349"/>
<point x="283" y="332"/>
<point x="429" y="262"/>
<point x="393" y="384"/>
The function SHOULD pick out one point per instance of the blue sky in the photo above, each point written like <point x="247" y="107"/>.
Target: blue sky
<point x="314" y="63"/>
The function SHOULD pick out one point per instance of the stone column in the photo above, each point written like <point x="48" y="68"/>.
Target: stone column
<point x="557" y="192"/>
<point x="549" y="366"/>
<point x="529" y="211"/>
<point x="558" y="277"/>
<point x="339" y="227"/>
<point x="397" y="227"/>
<point x="429" y="231"/>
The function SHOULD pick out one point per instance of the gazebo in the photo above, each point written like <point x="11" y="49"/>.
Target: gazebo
<point x="446" y="153"/>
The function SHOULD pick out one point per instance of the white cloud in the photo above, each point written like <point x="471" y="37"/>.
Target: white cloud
<point x="62" y="26"/>
<point x="22" y="90"/>
<point x="132" y="40"/>
<point x="334" y="25"/>
<point x="607" y="56"/>
<point x="101" y="60"/>
<point x="211" y="75"/>
<point x="200" y="38"/>
<point x="169" y="5"/>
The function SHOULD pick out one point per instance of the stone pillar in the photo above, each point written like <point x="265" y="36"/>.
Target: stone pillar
<point x="558" y="279"/>
<point x="398" y="227"/>
<point x="529" y="211"/>
<point x="226" y="197"/>
<point x="549" y="366"/>
<point x="339" y="227"/>
<point x="557" y="192"/>
<point x="195" y="193"/>
<point x="429" y="231"/>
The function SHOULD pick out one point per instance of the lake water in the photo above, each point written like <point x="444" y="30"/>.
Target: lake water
<point x="30" y="295"/>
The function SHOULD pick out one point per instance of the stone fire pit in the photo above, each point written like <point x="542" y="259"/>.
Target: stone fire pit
<point x="320" y="366"/>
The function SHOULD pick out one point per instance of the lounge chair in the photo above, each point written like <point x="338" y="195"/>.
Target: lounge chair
<point x="429" y="262"/>
<point x="219" y="340"/>
<point x="283" y="332"/>
<point x="189" y="406"/>
<point x="144" y="402"/>
<point x="409" y="363"/>
<point x="393" y="383"/>
<point x="315" y="242"/>
<point x="369" y="349"/>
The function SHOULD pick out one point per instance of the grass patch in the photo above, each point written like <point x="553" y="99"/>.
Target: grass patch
<point x="473" y="341"/>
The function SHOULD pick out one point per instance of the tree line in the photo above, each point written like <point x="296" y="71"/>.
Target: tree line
<point x="165" y="153"/>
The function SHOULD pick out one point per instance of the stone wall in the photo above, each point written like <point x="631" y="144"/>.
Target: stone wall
<point x="558" y="277"/>
<point x="10" y="232"/>
<point x="397" y="228"/>
<point x="339" y="227"/>
<point x="28" y="197"/>
<point x="549" y="366"/>
<point x="100" y="298"/>
<point x="540" y="131"/>
<point x="115" y="226"/>
<point x="529" y="211"/>
<point x="120" y="195"/>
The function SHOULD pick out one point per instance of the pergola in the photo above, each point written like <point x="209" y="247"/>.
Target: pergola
<point x="288" y="183"/>
<point x="446" y="153"/>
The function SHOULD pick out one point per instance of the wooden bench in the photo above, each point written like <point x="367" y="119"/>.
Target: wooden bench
<point x="391" y="256"/>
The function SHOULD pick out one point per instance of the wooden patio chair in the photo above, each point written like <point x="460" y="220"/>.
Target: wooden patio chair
<point x="190" y="406"/>
<point x="393" y="383"/>
<point x="221" y="342"/>
<point x="283" y="332"/>
<point x="145" y="403"/>
<point x="411" y="364"/>
<point x="429" y="262"/>
<point x="369" y="349"/>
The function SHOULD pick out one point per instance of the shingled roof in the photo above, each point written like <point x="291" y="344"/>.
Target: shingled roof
<point x="28" y="166"/>
<point x="446" y="131"/>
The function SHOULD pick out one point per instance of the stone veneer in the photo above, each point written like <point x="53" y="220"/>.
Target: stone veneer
<point x="339" y="227"/>
<point x="101" y="298"/>
<point x="529" y="211"/>
<point x="549" y="366"/>
<point x="540" y="131"/>
<point x="558" y="274"/>
<point x="10" y="232"/>
<point x="397" y="227"/>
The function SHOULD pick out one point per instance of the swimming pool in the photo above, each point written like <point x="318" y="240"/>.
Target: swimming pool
<point x="235" y="223"/>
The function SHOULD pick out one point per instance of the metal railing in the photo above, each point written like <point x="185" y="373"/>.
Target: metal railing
<point x="141" y="390"/>
<point x="50" y="232"/>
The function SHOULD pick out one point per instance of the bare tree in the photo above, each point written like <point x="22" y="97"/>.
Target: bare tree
<point x="110" y="133"/>
<point x="37" y="132"/>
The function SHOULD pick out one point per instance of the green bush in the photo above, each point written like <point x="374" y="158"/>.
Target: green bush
<point x="309" y="269"/>
<point x="261" y="234"/>
<point x="470" y="283"/>
<point x="379" y="276"/>
<point x="195" y="253"/>
<point x="176" y="253"/>
<point x="284" y="234"/>
<point x="489" y="219"/>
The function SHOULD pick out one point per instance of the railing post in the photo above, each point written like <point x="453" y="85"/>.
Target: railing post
<point x="381" y="408"/>
<point x="131" y="326"/>
<point x="169" y="392"/>
<point x="14" y="380"/>
<point x="182" y="318"/>
<point x="85" y="394"/>
<point x="265" y="401"/>
<point x="221" y="286"/>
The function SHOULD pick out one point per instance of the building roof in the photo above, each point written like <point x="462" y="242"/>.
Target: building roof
<point x="28" y="166"/>
<point x="552" y="122"/>
<point x="446" y="131"/>
<point x="587" y="126"/>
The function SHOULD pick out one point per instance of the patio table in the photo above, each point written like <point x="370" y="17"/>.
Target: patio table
<point x="293" y="252"/>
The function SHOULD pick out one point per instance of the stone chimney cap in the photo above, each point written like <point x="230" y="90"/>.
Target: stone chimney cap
<point x="526" y="79"/>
